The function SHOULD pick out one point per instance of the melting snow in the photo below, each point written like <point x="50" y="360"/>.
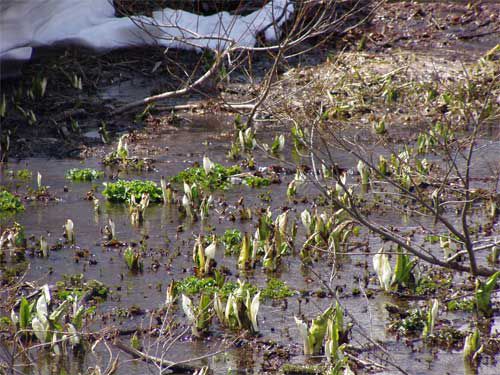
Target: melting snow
<point x="25" y="24"/>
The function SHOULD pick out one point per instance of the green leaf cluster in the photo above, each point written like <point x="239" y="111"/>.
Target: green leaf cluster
<point x="84" y="174"/>
<point x="133" y="260"/>
<point x="413" y="322"/>
<point x="403" y="272"/>
<point x="23" y="174"/>
<point x="256" y="181"/>
<point x="461" y="305"/>
<point x="10" y="202"/>
<point x="232" y="241"/>
<point x="121" y="190"/>
<point x="217" y="179"/>
<point x="277" y="289"/>
<point x="193" y="285"/>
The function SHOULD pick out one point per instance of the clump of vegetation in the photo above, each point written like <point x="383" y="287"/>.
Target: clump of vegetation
<point x="10" y="202"/>
<point x="122" y="190"/>
<point x="13" y="241"/>
<point x="256" y="181"/>
<point x="411" y="322"/>
<point x="22" y="174"/>
<point x="403" y="272"/>
<point x="41" y="192"/>
<point x="76" y="285"/>
<point x="198" y="316"/>
<point x="427" y="286"/>
<point x="54" y="324"/>
<point x="133" y="260"/>
<point x="204" y="256"/>
<point x="137" y="210"/>
<point x="447" y="337"/>
<point x="461" y="305"/>
<point x="213" y="176"/>
<point x="326" y="231"/>
<point x="240" y="311"/>
<point x="483" y="294"/>
<point x="232" y="241"/>
<point x="217" y="177"/>
<point x="270" y="242"/>
<point x="121" y="158"/>
<point x="328" y="332"/>
<point x="193" y="285"/>
<point x="84" y="174"/>
<point x="241" y="307"/>
<point x="277" y="289"/>
<point x="472" y="347"/>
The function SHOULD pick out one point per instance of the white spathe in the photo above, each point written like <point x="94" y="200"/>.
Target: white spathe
<point x="383" y="269"/>
<point x="92" y="23"/>
<point x="208" y="164"/>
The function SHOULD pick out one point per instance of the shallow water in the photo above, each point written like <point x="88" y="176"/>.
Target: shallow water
<point x="175" y="150"/>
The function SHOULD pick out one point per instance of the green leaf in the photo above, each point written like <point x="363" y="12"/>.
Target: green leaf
<point x="471" y="345"/>
<point x="244" y="258"/>
<point x="204" y="314"/>
<point x="483" y="293"/>
<point x="318" y="330"/>
<point x="24" y="314"/>
<point x="57" y="313"/>
<point x="403" y="270"/>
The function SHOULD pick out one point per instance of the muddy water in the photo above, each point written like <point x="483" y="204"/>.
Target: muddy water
<point x="175" y="150"/>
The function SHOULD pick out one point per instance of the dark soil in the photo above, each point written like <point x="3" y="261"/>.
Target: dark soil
<point x="451" y="28"/>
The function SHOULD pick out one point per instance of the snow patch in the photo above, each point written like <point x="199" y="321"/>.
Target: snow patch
<point x="25" y="24"/>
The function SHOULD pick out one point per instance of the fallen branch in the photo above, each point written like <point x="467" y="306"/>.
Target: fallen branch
<point x="186" y="90"/>
<point x="476" y="35"/>
<point x="204" y="105"/>
<point x="182" y="368"/>
<point x="32" y="295"/>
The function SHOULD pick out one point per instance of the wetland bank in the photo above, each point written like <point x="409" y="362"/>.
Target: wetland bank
<point x="351" y="227"/>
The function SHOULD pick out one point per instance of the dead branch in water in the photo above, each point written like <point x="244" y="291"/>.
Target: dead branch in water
<point x="182" y="368"/>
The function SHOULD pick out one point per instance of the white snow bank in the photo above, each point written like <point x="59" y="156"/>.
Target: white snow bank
<point x="25" y="24"/>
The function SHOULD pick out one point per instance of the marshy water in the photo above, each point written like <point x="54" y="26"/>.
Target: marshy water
<point x="168" y="256"/>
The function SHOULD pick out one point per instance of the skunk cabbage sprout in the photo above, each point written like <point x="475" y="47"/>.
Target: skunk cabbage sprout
<point x="69" y="230"/>
<point x="383" y="269"/>
<point x="208" y="164"/>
